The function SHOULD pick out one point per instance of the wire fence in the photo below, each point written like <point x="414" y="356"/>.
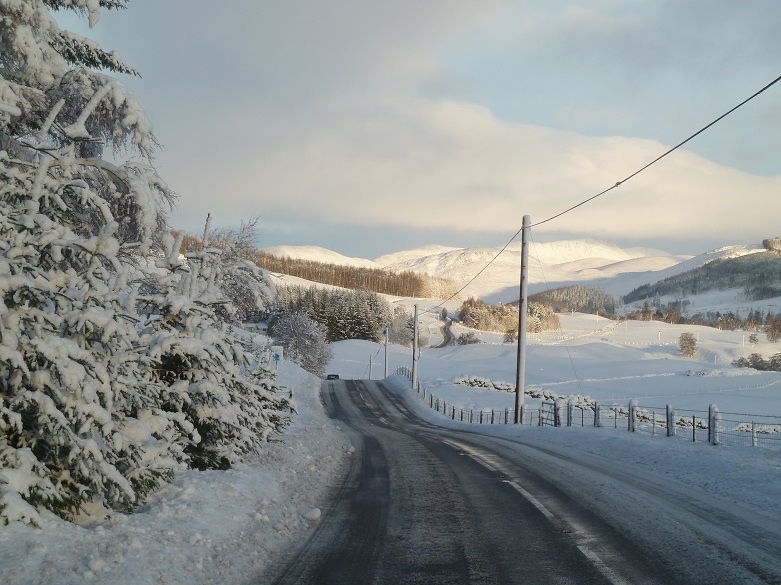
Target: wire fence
<point x="712" y="426"/>
<point x="529" y="416"/>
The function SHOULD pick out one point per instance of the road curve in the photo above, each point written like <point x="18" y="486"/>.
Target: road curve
<point x="422" y="504"/>
<point x="448" y="337"/>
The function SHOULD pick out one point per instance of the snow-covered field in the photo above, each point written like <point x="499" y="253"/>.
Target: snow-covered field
<point x="591" y="357"/>
<point x="215" y="527"/>
<point x="600" y="359"/>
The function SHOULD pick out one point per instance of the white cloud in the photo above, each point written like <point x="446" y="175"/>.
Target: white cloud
<point x="451" y="165"/>
<point x="434" y="114"/>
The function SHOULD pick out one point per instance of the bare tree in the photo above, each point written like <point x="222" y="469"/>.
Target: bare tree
<point x="688" y="344"/>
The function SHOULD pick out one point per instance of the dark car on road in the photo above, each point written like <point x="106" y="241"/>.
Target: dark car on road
<point x="332" y="377"/>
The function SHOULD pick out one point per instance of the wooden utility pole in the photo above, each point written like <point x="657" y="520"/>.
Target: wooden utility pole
<point x="523" y="307"/>
<point x="415" y="350"/>
<point x="387" y="341"/>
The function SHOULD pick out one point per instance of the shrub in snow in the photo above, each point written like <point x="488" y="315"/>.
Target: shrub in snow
<point x="304" y="341"/>
<point x="203" y="368"/>
<point x="688" y="344"/>
<point x="477" y="314"/>
<point x="246" y="287"/>
<point x="467" y="339"/>
<point x="773" y="244"/>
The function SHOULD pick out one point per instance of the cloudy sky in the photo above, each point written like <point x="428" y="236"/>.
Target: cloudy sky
<point x="371" y="127"/>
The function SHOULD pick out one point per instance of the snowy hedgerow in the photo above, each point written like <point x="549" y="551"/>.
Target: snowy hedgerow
<point x="98" y="404"/>
<point x="68" y="359"/>
<point x="244" y="284"/>
<point x="204" y="368"/>
<point x="304" y="341"/>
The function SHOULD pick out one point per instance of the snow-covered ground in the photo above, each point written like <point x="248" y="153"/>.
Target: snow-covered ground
<point x="592" y="357"/>
<point x="208" y="526"/>
<point x="215" y="527"/>
<point x="609" y="362"/>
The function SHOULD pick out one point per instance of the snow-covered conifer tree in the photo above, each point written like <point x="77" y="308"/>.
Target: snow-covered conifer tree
<point x="75" y="423"/>
<point x="204" y="368"/>
<point x="100" y="404"/>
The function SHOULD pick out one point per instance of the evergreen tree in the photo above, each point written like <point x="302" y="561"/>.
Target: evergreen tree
<point x="74" y="422"/>
<point x="346" y="314"/>
<point x="646" y="312"/>
<point x="204" y="369"/>
<point x="773" y="329"/>
<point x="82" y="418"/>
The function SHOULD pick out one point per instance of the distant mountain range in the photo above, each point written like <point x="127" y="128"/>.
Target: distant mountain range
<point x="551" y="265"/>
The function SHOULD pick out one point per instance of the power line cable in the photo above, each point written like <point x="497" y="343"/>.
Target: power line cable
<point x="657" y="159"/>
<point x="616" y="185"/>
<point x="471" y="280"/>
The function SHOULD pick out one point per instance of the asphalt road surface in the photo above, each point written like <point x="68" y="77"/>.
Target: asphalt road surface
<point x="448" y="337"/>
<point x="424" y="504"/>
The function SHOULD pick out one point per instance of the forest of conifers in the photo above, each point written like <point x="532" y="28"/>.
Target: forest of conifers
<point x="400" y="284"/>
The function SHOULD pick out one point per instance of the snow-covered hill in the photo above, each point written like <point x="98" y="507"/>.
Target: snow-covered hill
<point x="551" y="265"/>
<point x="411" y="255"/>
<point x="318" y="254"/>
<point x="709" y="299"/>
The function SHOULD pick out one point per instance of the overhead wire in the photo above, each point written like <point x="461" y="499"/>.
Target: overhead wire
<point x="660" y="157"/>
<point x="471" y="280"/>
<point x="371" y="360"/>
<point x="615" y="186"/>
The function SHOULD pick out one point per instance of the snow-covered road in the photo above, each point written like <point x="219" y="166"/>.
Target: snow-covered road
<point x="425" y="504"/>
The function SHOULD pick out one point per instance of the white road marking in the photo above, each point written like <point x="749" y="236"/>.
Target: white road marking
<point x="535" y="502"/>
<point x="483" y="463"/>
<point x="599" y="564"/>
<point x="592" y="557"/>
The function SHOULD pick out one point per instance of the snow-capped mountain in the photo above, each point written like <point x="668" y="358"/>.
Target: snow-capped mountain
<point x="493" y="276"/>
<point x="551" y="264"/>
<point x="411" y="255"/>
<point x="318" y="254"/>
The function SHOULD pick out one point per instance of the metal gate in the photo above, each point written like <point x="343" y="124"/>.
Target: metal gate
<point x="548" y="415"/>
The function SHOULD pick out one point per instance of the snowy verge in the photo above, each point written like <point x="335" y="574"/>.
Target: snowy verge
<point x="206" y="527"/>
<point x="741" y="477"/>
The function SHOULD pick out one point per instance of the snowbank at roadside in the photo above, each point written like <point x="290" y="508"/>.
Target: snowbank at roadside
<point x="206" y="527"/>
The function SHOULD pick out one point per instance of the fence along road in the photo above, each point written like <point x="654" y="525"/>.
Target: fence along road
<point x="422" y="504"/>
